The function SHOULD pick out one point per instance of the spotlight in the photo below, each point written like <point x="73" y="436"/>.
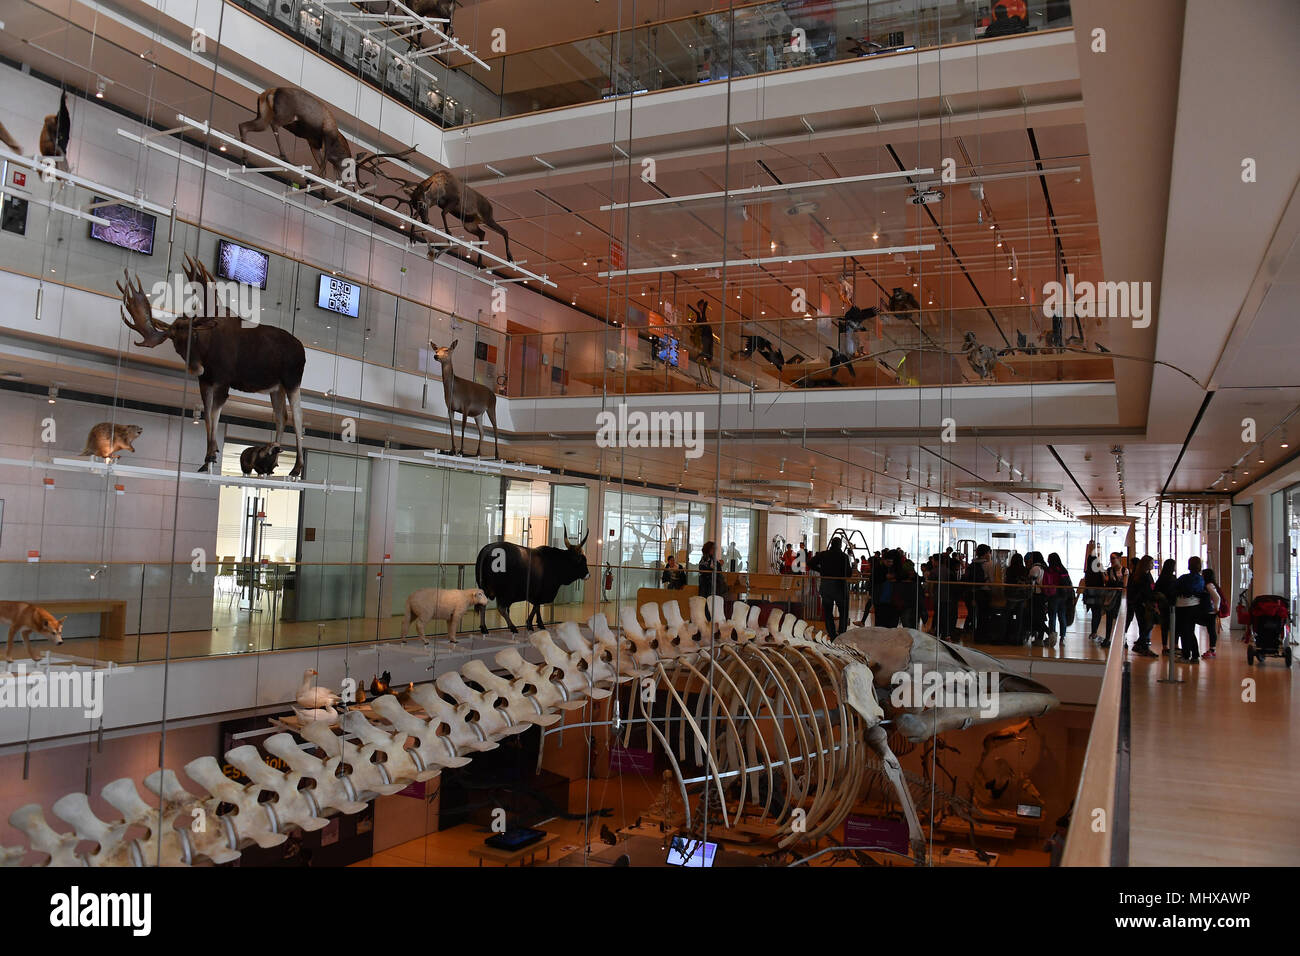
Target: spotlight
<point x="54" y="393"/>
<point x="99" y="88"/>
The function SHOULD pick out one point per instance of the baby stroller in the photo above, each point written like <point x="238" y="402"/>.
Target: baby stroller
<point x="1268" y="631"/>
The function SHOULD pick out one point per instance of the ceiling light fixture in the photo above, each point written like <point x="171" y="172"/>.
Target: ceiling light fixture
<point x="54" y="393"/>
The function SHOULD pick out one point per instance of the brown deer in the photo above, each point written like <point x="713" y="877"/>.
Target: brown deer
<point x="469" y="398"/>
<point x="450" y="195"/>
<point x="305" y="116"/>
<point x="225" y="355"/>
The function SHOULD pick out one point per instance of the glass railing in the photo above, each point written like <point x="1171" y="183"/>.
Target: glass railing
<point x="141" y="612"/>
<point x="452" y="90"/>
<point x="939" y="347"/>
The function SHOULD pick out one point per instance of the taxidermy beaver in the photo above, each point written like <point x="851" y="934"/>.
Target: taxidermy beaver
<point x="106" y="440"/>
<point x="260" y="458"/>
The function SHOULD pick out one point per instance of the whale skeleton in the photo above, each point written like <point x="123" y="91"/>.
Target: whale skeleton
<point x="772" y="701"/>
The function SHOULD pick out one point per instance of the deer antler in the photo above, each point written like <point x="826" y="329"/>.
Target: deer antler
<point x="365" y="159"/>
<point x="137" y="314"/>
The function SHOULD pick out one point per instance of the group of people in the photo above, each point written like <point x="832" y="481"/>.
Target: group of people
<point x="1035" y="597"/>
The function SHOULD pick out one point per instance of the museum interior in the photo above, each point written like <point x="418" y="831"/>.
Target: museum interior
<point x="823" y="433"/>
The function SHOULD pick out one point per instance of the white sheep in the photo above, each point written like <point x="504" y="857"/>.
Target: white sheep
<point x="439" y="604"/>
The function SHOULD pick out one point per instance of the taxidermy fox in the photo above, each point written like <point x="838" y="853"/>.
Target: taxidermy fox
<point x="23" y="618"/>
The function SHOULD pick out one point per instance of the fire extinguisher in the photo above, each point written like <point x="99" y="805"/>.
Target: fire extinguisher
<point x="609" y="579"/>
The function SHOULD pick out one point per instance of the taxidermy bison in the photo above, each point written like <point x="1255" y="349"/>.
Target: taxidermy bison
<point x="509" y="573"/>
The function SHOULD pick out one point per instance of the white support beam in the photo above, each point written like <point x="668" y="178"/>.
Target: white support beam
<point x="768" y="260"/>
<point x="405" y="19"/>
<point x="37" y="167"/>
<point x="137" y="471"/>
<point x="772" y="188"/>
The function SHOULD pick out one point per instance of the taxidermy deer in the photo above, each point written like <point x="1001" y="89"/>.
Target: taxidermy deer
<point x="305" y="116"/>
<point x="56" y="132"/>
<point x="471" y="399"/>
<point x="450" y="195"/>
<point x="225" y="355"/>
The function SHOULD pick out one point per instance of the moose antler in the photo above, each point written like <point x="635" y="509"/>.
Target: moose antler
<point x="196" y="271"/>
<point x="137" y="314"/>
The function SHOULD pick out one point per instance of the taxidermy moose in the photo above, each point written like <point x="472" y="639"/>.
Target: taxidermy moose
<point x="305" y="116"/>
<point x="471" y="399"/>
<point x="450" y="195"/>
<point x="225" y="355"/>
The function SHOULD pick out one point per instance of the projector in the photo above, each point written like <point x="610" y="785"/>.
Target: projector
<point x="927" y="197"/>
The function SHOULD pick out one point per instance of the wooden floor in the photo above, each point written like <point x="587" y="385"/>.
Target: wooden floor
<point x="1215" y="780"/>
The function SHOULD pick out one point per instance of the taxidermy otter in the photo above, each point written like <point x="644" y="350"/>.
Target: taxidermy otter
<point x="106" y="440"/>
<point x="260" y="458"/>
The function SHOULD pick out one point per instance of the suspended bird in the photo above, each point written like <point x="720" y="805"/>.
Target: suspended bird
<point x="56" y="132"/>
<point x="840" y="360"/>
<point x="312" y="696"/>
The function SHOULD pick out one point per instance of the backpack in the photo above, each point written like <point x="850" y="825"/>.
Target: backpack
<point x="1187" y="585"/>
<point x="1223" y="605"/>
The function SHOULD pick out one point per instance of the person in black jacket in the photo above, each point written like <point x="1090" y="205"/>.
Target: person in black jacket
<point x="1166" y="593"/>
<point x="835" y="569"/>
<point x="674" y="578"/>
<point x="1142" y="605"/>
<point x="710" y="572"/>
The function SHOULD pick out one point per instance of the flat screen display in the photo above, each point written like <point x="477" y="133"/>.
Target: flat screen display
<point x="339" y="295"/>
<point x="665" y="350"/>
<point x="241" y="264"/>
<point x="128" y="227"/>
<point x="684" y="852"/>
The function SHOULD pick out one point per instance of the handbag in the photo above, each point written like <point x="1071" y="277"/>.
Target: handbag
<point x="1243" y="611"/>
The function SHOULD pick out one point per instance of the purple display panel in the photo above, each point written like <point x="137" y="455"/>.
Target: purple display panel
<point x="626" y="760"/>
<point x="874" y="832"/>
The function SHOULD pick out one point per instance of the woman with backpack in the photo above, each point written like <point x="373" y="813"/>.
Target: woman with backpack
<point x="1094" y="594"/>
<point x="1017" y="600"/>
<point x="1115" y="582"/>
<point x="1061" y="597"/>
<point x="1218" y="609"/>
<point x="1037" y="599"/>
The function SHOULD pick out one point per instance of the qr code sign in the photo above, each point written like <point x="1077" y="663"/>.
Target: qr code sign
<point x="340" y="294"/>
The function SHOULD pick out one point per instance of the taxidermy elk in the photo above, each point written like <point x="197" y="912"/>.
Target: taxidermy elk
<point x="509" y="573"/>
<point x="305" y="116"/>
<point x="471" y="399"/>
<point x="225" y="355"/>
<point x="450" y="195"/>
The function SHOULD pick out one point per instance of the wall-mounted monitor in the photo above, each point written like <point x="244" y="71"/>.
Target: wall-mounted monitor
<point x="242" y="264"/>
<point x="665" y="349"/>
<point x="338" y="295"/>
<point x="128" y="227"/>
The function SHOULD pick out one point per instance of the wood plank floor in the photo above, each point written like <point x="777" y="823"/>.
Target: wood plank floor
<point x="1215" y="780"/>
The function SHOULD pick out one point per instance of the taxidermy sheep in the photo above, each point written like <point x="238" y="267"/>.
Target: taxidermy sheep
<point x="438" y="604"/>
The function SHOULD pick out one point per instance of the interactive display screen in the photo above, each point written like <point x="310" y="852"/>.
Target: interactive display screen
<point x="338" y="295"/>
<point x="684" y="852"/>
<point x="128" y="227"/>
<point x="241" y="264"/>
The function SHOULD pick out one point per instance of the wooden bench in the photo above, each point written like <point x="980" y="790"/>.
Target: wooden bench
<point x="657" y="597"/>
<point x="112" y="614"/>
<point x="506" y="857"/>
